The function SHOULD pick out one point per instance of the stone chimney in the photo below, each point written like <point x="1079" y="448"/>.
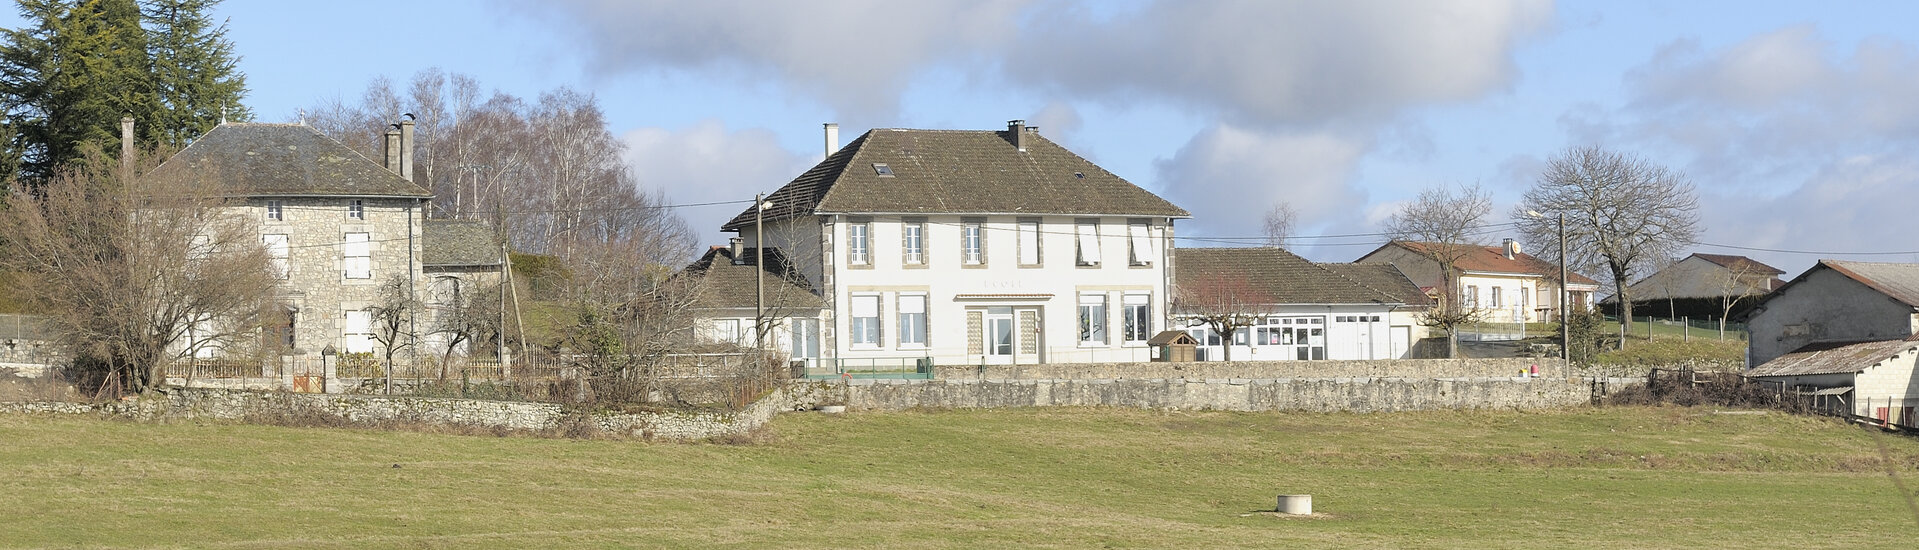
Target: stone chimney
<point x="391" y="149"/>
<point x="406" y="149"/>
<point x="832" y="138"/>
<point x="1512" y="248"/>
<point x="1018" y="129"/>
<point x="733" y="247"/>
<point x="126" y="142"/>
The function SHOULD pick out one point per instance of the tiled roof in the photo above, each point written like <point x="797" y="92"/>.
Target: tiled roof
<point x="283" y="160"/>
<point x="458" y="243"/>
<point x="1276" y="274"/>
<point x="957" y="172"/>
<point x="1739" y="263"/>
<point x="1833" y="358"/>
<point x="724" y="284"/>
<point x="1492" y="259"/>
<point x="1385" y="278"/>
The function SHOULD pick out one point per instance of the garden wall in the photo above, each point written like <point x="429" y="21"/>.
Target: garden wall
<point x="1395" y="368"/>
<point x="1285" y="394"/>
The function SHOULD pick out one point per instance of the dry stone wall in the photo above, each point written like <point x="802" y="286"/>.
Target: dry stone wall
<point x="1294" y="394"/>
<point x="1398" y="368"/>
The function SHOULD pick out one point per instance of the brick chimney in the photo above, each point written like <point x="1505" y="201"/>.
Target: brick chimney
<point x="733" y="246"/>
<point x="1018" y="129"/>
<point x="406" y="149"/>
<point x="392" y="149"/>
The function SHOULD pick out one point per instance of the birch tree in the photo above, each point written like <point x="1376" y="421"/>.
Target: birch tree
<point x="1442" y="224"/>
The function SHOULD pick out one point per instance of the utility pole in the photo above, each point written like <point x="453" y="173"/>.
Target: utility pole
<point x="759" y="272"/>
<point x="1565" y="330"/>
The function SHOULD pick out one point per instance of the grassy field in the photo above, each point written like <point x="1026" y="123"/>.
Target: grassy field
<point x="1044" y="478"/>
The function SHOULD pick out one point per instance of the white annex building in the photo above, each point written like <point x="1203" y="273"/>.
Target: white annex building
<point x="971" y="247"/>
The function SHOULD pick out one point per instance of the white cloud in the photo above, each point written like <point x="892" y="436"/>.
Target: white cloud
<point x="707" y="163"/>
<point x="1281" y="62"/>
<point x="1228" y="177"/>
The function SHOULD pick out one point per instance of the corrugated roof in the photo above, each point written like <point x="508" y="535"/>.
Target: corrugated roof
<point x="957" y="172"/>
<point x="1833" y="358"/>
<point x="1898" y="281"/>
<point x="1272" y="273"/>
<point x="458" y="243"/>
<point x="283" y="160"/>
<point x="1492" y="259"/>
<point x="725" y="284"/>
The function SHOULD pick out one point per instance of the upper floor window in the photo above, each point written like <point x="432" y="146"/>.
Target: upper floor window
<point x="858" y="249"/>
<point x="358" y="254"/>
<point x="1139" y="247"/>
<point x="1029" y="243"/>
<point x="356" y="209"/>
<point x="913" y="242"/>
<point x="972" y="242"/>
<point x="1087" y="241"/>
<point x="277" y="254"/>
<point x="1497" y="291"/>
<point x="1472" y="296"/>
<point x="274" y="211"/>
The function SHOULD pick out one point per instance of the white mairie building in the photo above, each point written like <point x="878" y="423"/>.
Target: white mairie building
<point x="971" y="247"/>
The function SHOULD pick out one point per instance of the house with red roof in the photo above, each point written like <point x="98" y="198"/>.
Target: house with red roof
<point x="1509" y="285"/>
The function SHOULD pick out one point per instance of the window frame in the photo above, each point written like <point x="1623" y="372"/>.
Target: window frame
<point x="366" y="332"/>
<point x="914" y="327"/>
<point x="276" y="210"/>
<point x="1136" y="317"/>
<point x="913" y="242"/>
<point x="356" y="209"/>
<point x="1139" y="235"/>
<point x="364" y="247"/>
<point x="972" y="242"/>
<point x="1031" y="231"/>
<point x="865" y="331"/>
<point x="859" y="243"/>
<point x="1086" y="239"/>
<point x="1093" y="319"/>
<point x="279" y="258"/>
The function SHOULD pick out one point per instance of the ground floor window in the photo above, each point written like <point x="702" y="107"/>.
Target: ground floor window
<point x="1135" y="318"/>
<point x="865" y="323"/>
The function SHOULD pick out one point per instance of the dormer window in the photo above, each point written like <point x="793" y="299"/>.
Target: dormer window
<point x="882" y="170"/>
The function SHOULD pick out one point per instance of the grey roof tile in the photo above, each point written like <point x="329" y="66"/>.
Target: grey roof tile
<point x="725" y="284"/>
<point x="1279" y="275"/>
<point x="458" y="243"/>
<point x="283" y="160"/>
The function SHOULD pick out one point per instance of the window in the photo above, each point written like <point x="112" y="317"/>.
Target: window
<point x="356" y="209"/>
<point x="972" y="242"/>
<point x="1088" y="242"/>
<point x="274" y="212"/>
<point x="865" y="324"/>
<point x="857" y="252"/>
<point x="806" y="338"/>
<point x="724" y="331"/>
<point x="359" y="331"/>
<point x="1472" y="296"/>
<point x="359" y="256"/>
<point x="1497" y="291"/>
<point x="277" y="250"/>
<point x="1135" y="323"/>
<point x="1029" y="242"/>
<point x="882" y="170"/>
<point x="1092" y="319"/>
<point x="913" y="241"/>
<point x="1139" y="248"/>
<point x="281" y="330"/>
<point x="912" y="320"/>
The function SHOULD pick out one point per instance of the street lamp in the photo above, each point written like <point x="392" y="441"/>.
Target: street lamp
<point x="1565" y="330"/>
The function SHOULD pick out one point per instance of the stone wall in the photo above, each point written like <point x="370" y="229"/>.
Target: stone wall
<point x="1401" y="368"/>
<point x="1318" y="394"/>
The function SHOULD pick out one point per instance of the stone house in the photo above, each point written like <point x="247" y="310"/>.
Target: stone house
<point x="1509" y="285"/>
<point x="1700" y="286"/>
<point x="1304" y="310"/>
<point x="458" y="259"/>
<point x="336" y="224"/>
<point x="1875" y="379"/>
<point x="972" y="247"/>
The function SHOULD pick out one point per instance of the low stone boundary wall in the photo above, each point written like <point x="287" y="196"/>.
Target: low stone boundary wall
<point x="202" y="403"/>
<point x="1318" y="394"/>
<point x="1203" y="370"/>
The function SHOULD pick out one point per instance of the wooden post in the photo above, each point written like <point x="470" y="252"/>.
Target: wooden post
<point x="1685" y="323"/>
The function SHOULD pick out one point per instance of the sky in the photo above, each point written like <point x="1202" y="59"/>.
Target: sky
<point x="1797" y="122"/>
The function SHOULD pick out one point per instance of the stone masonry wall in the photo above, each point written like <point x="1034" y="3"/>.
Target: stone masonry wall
<point x="1399" y="368"/>
<point x="1319" y="394"/>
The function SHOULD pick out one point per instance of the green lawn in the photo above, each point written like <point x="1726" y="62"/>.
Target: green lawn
<point x="1046" y="478"/>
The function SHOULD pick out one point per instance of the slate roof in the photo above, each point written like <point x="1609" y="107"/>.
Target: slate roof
<point x="957" y="172"/>
<point x="283" y="160"/>
<point x="1833" y="358"/>
<point x="458" y="243"/>
<point x="1492" y="259"/>
<point x="1278" y="274"/>
<point x="728" y="285"/>
<point x="1739" y="263"/>
<point x="1385" y="278"/>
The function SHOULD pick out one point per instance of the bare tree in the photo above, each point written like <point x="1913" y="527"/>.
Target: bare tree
<point x="1621" y="210"/>
<point x="133" y="272"/>
<point x="1737" y="286"/>
<point x="1223" y="303"/>
<point x="393" y="318"/>
<point x="463" y="316"/>
<point x="1442" y="225"/>
<point x="1280" y="223"/>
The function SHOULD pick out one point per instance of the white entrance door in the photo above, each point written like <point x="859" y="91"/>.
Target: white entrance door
<point x="1402" y="342"/>
<point x="1001" y="338"/>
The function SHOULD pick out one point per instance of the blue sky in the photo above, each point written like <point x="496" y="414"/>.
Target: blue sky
<point x="1797" y="121"/>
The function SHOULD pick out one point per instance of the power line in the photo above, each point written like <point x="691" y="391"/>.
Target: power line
<point x="1807" y="252"/>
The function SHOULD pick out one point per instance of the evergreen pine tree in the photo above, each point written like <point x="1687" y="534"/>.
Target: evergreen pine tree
<point x="69" y="77"/>
<point x="196" y="76"/>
